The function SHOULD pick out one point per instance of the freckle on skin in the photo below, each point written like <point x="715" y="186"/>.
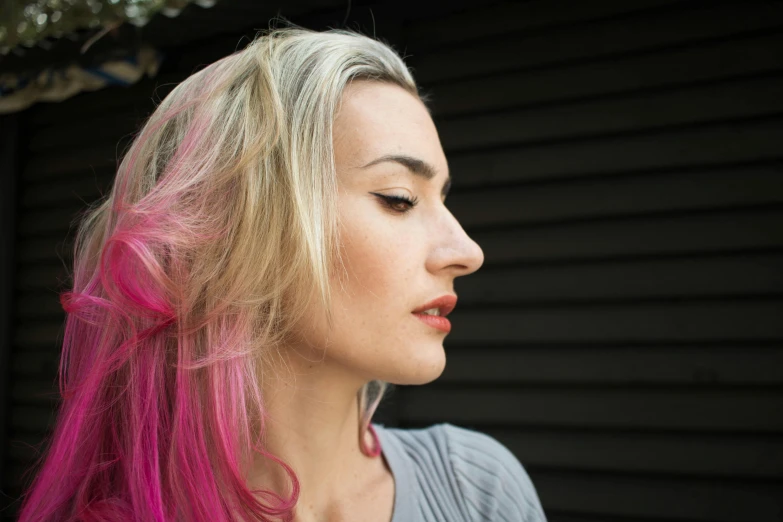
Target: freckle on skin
<point x="394" y="263"/>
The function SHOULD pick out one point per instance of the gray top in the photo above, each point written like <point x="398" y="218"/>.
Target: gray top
<point x="446" y="473"/>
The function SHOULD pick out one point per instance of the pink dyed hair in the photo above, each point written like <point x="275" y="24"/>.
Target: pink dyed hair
<point x="219" y="229"/>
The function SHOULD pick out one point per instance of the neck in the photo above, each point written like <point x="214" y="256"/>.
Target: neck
<point x="312" y="425"/>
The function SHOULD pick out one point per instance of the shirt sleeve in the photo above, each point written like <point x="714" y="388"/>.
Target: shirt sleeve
<point x="492" y="482"/>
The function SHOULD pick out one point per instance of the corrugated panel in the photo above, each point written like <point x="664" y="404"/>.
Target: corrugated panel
<point x="621" y="170"/>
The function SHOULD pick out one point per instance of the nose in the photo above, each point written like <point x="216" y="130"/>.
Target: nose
<point x="453" y="249"/>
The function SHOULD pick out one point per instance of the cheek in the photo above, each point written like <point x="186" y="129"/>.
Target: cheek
<point x="375" y="298"/>
<point x="380" y="258"/>
<point x="376" y="265"/>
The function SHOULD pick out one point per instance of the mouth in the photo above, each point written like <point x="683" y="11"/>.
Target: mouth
<point x="435" y="311"/>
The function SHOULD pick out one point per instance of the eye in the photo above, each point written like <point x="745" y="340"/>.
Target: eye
<point x="394" y="202"/>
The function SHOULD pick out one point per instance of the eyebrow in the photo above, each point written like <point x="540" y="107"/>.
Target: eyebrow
<point x="415" y="165"/>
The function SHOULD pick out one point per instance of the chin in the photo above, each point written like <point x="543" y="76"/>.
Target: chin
<point x="424" y="371"/>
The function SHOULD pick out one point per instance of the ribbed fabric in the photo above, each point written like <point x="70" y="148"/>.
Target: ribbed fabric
<point x="446" y="473"/>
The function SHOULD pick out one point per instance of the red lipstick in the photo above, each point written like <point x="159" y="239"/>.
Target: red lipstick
<point x="445" y="304"/>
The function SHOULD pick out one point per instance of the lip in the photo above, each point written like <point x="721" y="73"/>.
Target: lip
<point x="445" y="304"/>
<point x="437" y="322"/>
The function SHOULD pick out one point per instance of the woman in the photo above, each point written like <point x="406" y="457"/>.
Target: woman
<point x="267" y="261"/>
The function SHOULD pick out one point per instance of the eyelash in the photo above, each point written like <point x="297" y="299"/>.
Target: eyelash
<point x="390" y="201"/>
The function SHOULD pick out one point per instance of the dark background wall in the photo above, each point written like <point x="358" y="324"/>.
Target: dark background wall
<point x="620" y="163"/>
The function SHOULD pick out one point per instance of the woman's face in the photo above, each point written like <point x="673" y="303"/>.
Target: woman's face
<point x="397" y="258"/>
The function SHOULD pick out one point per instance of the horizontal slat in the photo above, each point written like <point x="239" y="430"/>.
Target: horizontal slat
<point x="38" y="391"/>
<point x="32" y="419"/>
<point x="741" y="98"/>
<point x="711" y="60"/>
<point x="641" y="32"/>
<point x="43" y="277"/>
<point x="619" y="195"/>
<point x="683" y="454"/>
<point x="37" y="305"/>
<point x="703" y="145"/>
<point x="647" y="235"/>
<point x="70" y="134"/>
<point x="734" y="410"/>
<point x="507" y="17"/>
<point x="59" y="220"/>
<point x="34" y="363"/>
<point x="39" y="334"/>
<point x="101" y="154"/>
<point x="599" y="365"/>
<point x="725" y="275"/>
<point x="44" y="248"/>
<point x="559" y="516"/>
<point x="666" y="321"/>
<point x="82" y="188"/>
<point x="657" y="499"/>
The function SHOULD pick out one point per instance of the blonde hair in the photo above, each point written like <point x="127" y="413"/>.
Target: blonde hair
<point x="220" y="230"/>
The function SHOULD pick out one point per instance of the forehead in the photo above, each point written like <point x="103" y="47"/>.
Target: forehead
<point x="376" y="118"/>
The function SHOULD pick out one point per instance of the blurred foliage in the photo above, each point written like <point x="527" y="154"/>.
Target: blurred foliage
<point x="30" y="22"/>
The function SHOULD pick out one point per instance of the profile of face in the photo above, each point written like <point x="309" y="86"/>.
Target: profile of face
<point x="397" y="257"/>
